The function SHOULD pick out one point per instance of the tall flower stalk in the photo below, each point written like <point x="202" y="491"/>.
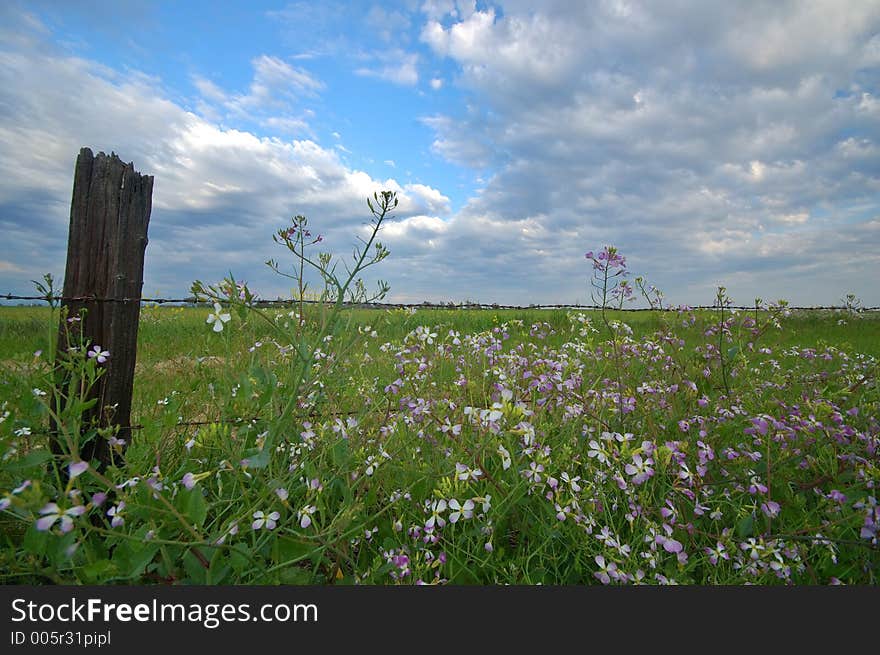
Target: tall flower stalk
<point x="608" y="283"/>
<point x="338" y="289"/>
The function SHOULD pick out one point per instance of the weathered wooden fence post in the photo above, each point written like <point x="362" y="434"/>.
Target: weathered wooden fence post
<point x="109" y="214"/>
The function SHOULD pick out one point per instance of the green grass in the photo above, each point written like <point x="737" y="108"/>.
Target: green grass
<point x="173" y="340"/>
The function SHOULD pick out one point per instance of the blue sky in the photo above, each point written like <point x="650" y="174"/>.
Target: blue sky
<point x="712" y="142"/>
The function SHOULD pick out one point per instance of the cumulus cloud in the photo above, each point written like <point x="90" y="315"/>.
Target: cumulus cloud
<point x="219" y="193"/>
<point x="713" y="142"/>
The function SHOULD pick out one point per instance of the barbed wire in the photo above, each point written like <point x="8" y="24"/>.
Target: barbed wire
<point x="292" y="302"/>
<point x="235" y="420"/>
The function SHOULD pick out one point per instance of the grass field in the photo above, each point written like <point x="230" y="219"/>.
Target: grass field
<point x="459" y="446"/>
<point x="173" y="340"/>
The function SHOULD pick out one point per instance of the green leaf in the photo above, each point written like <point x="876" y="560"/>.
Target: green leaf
<point x="341" y="454"/>
<point x="732" y="352"/>
<point x="57" y="549"/>
<point x="132" y="557"/>
<point x="35" y="541"/>
<point x="32" y="460"/>
<point x="341" y="489"/>
<point x="258" y="459"/>
<point x="99" y="571"/>
<point x="194" y="506"/>
<point x="296" y="575"/>
<point x="286" y="550"/>
<point x="238" y="557"/>
<point x="194" y="568"/>
<point x="745" y="526"/>
<point x="220" y="566"/>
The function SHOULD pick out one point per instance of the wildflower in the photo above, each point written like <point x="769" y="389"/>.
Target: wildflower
<point x="572" y="482"/>
<point x="505" y="457"/>
<point x="486" y="501"/>
<point x="606" y="572"/>
<point x="770" y="508"/>
<point x="305" y="516"/>
<point x="717" y="553"/>
<point x="607" y="259"/>
<point x="424" y="334"/>
<point x="116" y="514"/>
<point x="465" y="473"/>
<point x="464" y="511"/>
<point x="38" y="392"/>
<point x="533" y="473"/>
<point x="52" y="513"/>
<point x="401" y="562"/>
<point x="871" y="524"/>
<point x="269" y="521"/>
<point x="640" y="469"/>
<point x="597" y="451"/>
<point x="754" y="548"/>
<point x="756" y="486"/>
<point x="189" y="480"/>
<point x="281" y="492"/>
<point x="218" y="318"/>
<point x="761" y="425"/>
<point x="437" y="508"/>
<point x="232" y="530"/>
<point x="100" y="355"/>
<point x="77" y="468"/>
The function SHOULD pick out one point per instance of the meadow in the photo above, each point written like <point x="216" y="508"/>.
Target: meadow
<point x="327" y="445"/>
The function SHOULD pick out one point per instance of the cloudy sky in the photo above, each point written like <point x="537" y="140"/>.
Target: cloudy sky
<point x="712" y="142"/>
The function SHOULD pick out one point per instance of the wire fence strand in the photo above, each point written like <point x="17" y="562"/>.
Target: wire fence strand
<point x="293" y="302"/>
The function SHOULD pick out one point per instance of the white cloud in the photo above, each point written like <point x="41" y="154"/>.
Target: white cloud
<point x="219" y="193"/>
<point x="273" y="99"/>
<point x="713" y="142"/>
<point x="396" y="66"/>
<point x="437" y="9"/>
<point x="794" y="219"/>
<point x="389" y="25"/>
<point x="737" y="138"/>
<point x="428" y="199"/>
